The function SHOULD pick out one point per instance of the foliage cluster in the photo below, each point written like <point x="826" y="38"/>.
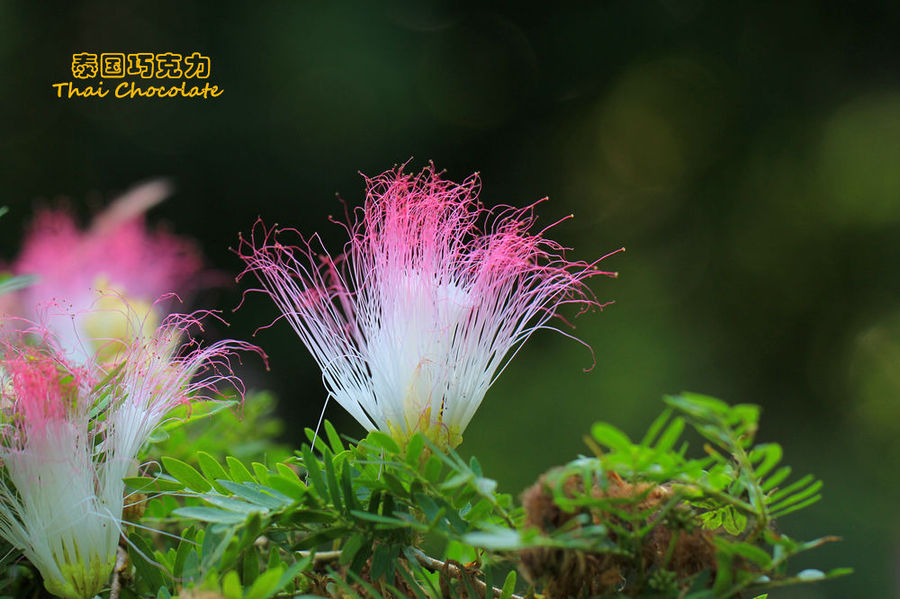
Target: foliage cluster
<point x="340" y="518"/>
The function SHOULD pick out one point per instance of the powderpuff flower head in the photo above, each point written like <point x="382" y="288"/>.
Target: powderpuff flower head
<point x="50" y="508"/>
<point x="432" y="296"/>
<point x="69" y="434"/>
<point x="83" y="277"/>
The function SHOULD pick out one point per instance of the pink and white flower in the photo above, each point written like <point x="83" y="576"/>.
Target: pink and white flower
<point x="49" y="505"/>
<point x="70" y="433"/>
<point x="83" y="277"/>
<point x="431" y="298"/>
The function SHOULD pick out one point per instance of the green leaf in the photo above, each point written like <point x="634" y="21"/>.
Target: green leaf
<point x="314" y="472"/>
<point x="231" y="586"/>
<point x="839" y="572"/>
<point x="733" y="521"/>
<point x="209" y="514"/>
<point x="256" y="494"/>
<point x="292" y="572"/>
<point x="265" y="585"/>
<point x="488" y="576"/>
<point x="180" y="557"/>
<point x="414" y="449"/>
<point x="428" y="506"/>
<point x="670" y="436"/>
<point x="655" y="427"/>
<point x="768" y="455"/>
<point x="752" y="553"/>
<point x="393" y="484"/>
<point x="509" y="585"/>
<point x="797" y="497"/>
<point x="382" y="561"/>
<point x="712" y="520"/>
<point x="195" y="411"/>
<point x="315" y="440"/>
<point x="249" y="567"/>
<point x="158" y="436"/>
<point x="351" y="547"/>
<point x="351" y="593"/>
<point x="497" y="539"/>
<point x="384" y="441"/>
<point x="239" y="472"/>
<point x="159" y="484"/>
<point x="216" y="540"/>
<point x="612" y="437"/>
<point x="233" y="505"/>
<point x="475" y="466"/>
<point x="719" y="477"/>
<point x="288" y="486"/>
<point x="250" y="532"/>
<point x="140" y="552"/>
<point x="796" y="507"/>
<point x="303" y="517"/>
<point x="274" y="558"/>
<point x="325" y="535"/>
<point x="349" y="494"/>
<point x="776" y="479"/>
<point x="260" y="472"/>
<point x="701" y="406"/>
<point x="286" y="472"/>
<point x="432" y="470"/>
<point x="211" y="469"/>
<point x="392" y="521"/>
<point x="485" y="486"/>
<point x="455" y="481"/>
<point x="333" y="438"/>
<point x="724" y="567"/>
<point x="334" y="490"/>
<point x="191" y="569"/>
<point x="411" y="581"/>
<point x="186" y="474"/>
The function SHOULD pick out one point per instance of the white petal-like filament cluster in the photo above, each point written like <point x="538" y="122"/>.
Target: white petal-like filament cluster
<point x="49" y="505"/>
<point x="69" y="434"/>
<point x="432" y="296"/>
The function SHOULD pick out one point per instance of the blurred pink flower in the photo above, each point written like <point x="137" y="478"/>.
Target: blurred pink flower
<point x="431" y="298"/>
<point x="70" y="433"/>
<point x="83" y="277"/>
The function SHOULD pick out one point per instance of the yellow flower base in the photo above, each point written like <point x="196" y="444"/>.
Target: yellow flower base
<point x="435" y="430"/>
<point x="79" y="580"/>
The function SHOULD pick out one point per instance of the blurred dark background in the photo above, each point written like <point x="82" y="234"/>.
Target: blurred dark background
<point x="747" y="154"/>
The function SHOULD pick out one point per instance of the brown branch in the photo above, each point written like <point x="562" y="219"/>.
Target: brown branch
<point x="115" y="587"/>
<point x="430" y="563"/>
<point x="436" y="565"/>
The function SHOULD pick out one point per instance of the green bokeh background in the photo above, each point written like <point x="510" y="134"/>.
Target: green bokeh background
<point x="747" y="154"/>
